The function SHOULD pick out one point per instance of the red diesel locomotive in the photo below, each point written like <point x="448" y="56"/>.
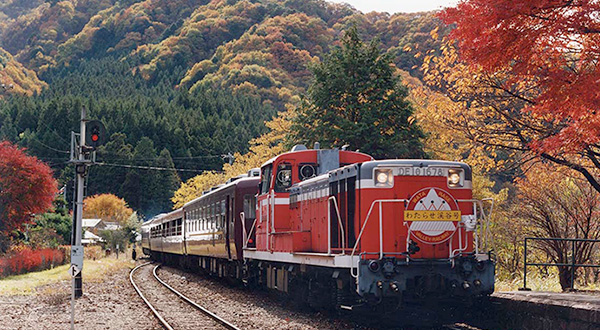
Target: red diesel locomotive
<point x="339" y="229"/>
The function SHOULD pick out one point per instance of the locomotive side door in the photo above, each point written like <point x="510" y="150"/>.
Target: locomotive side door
<point x="264" y="208"/>
<point x="273" y="200"/>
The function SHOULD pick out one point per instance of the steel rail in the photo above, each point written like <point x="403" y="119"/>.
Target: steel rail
<point x="458" y="327"/>
<point x="212" y="315"/>
<point x="164" y="323"/>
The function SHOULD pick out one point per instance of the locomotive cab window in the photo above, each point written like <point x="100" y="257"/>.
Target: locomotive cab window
<point x="265" y="180"/>
<point x="283" y="177"/>
<point x="307" y="171"/>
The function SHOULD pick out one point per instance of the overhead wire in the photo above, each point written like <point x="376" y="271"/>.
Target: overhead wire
<point x="156" y="168"/>
<point x="49" y="147"/>
<point x="53" y="131"/>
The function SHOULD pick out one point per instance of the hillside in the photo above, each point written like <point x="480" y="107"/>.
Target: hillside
<point x="198" y="78"/>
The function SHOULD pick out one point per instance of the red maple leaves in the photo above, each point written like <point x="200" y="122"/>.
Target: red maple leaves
<point x="549" y="46"/>
<point x="26" y="187"/>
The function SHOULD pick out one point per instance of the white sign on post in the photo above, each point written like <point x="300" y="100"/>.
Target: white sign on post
<point x="77" y="256"/>
<point x="74" y="270"/>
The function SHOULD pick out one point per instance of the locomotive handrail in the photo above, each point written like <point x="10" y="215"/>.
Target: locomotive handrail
<point x="486" y="218"/>
<point x="246" y="236"/>
<point x="337" y="210"/>
<point x="380" y="201"/>
<point x="460" y="248"/>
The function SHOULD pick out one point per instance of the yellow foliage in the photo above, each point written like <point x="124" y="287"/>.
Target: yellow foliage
<point x="16" y="77"/>
<point x="194" y="187"/>
<point x="107" y="207"/>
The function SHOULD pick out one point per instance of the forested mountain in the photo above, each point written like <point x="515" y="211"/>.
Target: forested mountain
<point x="178" y="83"/>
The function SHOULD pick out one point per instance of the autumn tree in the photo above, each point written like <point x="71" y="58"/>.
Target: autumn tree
<point x="557" y="203"/>
<point x="437" y="115"/>
<point x="26" y="187"/>
<point x="107" y="207"/>
<point x="357" y="99"/>
<point x="539" y="60"/>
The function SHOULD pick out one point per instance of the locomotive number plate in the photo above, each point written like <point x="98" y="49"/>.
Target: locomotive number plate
<point x="425" y="171"/>
<point x="432" y="216"/>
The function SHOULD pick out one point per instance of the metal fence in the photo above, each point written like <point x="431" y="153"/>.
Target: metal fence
<point x="572" y="264"/>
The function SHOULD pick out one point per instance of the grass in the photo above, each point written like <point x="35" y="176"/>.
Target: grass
<point x="537" y="282"/>
<point x="93" y="271"/>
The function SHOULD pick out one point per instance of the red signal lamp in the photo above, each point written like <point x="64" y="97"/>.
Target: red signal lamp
<point x="95" y="134"/>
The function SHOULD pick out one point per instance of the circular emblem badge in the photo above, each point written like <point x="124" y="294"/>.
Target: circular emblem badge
<point x="432" y="215"/>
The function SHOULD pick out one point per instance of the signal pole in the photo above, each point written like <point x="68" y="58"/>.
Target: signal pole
<point x="79" y="151"/>
<point x="80" y="170"/>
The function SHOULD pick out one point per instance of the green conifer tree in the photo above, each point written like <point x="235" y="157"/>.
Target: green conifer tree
<point x="357" y="99"/>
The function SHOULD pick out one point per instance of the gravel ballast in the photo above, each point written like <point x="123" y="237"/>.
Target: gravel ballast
<point x="114" y="304"/>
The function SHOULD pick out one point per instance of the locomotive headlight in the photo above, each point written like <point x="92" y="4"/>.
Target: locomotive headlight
<point x="455" y="178"/>
<point x="384" y="178"/>
<point x="374" y="266"/>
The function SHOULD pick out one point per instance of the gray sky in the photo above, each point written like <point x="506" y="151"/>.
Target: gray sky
<point x="394" y="6"/>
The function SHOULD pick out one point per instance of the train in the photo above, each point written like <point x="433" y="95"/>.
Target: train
<point x="338" y="229"/>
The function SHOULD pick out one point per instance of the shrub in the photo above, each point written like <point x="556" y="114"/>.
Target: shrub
<point x="24" y="260"/>
<point x="93" y="252"/>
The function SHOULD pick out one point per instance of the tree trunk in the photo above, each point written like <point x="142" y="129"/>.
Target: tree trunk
<point x="564" y="275"/>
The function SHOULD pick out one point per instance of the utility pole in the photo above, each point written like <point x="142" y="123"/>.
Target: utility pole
<point x="230" y="157"/>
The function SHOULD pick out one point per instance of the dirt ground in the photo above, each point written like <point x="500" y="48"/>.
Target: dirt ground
<point x="108" y="304"/>
<point x="111" y="303"/>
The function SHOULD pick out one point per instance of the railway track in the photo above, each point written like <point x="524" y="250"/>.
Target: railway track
<point x="173" y="313"/>
<point x="459" y="326"/>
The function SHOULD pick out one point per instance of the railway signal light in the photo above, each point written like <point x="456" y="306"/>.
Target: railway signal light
<point x="95" y="134"/>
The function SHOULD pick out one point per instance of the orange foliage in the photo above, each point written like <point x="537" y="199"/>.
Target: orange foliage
<point x="107" y="207"/>
<point x="550" y="46"/>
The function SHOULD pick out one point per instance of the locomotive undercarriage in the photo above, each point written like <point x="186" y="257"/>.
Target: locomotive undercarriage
<point x="438" y="280"/>
<point x="394" y="284"/>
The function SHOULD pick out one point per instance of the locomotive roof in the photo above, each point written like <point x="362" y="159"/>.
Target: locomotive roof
<point x="366" y="168"/>
<point x="270" y="161"/>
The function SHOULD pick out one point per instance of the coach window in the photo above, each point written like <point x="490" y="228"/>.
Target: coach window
<point x="223" y="214"/>
<point x="213" y="215"/>
<point x="265" y="180"/>
<point x="205" y="217"/>
<point x="209" y="216"/>
<point x="250" y="207"/>
<point x="283" y="177"/>
<point x="217" y="214"/>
